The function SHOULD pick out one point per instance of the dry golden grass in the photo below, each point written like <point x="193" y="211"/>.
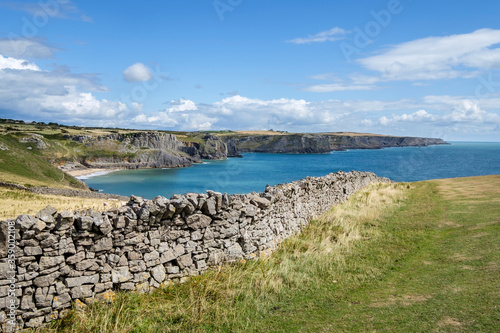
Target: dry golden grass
<point x="17" y="202"/>
<point x="469" y="188"/>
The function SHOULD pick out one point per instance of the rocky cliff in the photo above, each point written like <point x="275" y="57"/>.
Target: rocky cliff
<point x="146" y="150"/>
<point x="318" y="143"/>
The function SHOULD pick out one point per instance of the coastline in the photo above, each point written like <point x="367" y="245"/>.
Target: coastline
<point x="90" y="172"/>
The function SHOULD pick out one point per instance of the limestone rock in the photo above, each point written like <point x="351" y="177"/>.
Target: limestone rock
<point x="198" y="221"/>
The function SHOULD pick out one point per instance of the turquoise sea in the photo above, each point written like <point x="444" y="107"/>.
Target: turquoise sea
<point x="254" y="170"/>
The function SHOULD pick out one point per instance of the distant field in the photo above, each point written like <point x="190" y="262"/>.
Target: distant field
<point x="417" y="257"/>
<point x="17" y="202"/>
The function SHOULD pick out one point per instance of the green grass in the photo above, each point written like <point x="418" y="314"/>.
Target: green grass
<point x="420" y="257"/>
<point x="22" y="166"/>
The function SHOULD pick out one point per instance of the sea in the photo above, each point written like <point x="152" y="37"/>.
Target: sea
<point x="256" y="170"/>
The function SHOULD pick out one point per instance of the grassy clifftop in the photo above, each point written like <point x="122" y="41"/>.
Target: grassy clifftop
<point x="23" y="163"/>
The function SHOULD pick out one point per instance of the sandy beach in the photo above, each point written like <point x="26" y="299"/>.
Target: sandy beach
<point x="85" y="173"/>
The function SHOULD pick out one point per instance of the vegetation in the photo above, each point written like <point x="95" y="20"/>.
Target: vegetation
<point x="417" y="257"/>
<point x="22" y="164"/>
<point x="13" y="203"/>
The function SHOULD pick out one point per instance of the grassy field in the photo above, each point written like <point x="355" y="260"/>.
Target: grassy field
<point x="419" y="257"/>
<point x="13" y="203"/>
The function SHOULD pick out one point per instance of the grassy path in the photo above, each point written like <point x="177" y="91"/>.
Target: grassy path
<point x="420" y="257"/>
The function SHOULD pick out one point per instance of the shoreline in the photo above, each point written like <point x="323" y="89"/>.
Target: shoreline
<point x="90" y="172"/>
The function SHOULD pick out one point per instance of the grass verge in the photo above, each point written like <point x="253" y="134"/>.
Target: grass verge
<point x="420" y="257"/>
<point x="13" y="203"/>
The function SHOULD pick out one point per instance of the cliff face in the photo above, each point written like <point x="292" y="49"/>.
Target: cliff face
<point x="146" y="150"/>
<point x="318" y="143"/>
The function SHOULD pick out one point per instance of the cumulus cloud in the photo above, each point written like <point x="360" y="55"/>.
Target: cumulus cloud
<point x="18" y="64"/>
<point x="30" y="91"/>
<point x="25" y="48"/>
<point x="138" y="72"/>
<point x="461" y="111"/>
<point x="182" y="105"/>
<point x="324" y="36"/>
<point x="435" y="58"/>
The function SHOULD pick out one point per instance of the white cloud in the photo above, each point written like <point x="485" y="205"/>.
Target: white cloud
<point x="18" y="64"/>
<point x="182" y="105"/>
<point x="138" y="72"/>
<point x="25" y="48"/>
<point x="159" y="119"/>
<point x="59" y="95"/>
<point x="324" y="36"/>
<point x="462" y="111"/>
<point x="419" y="116"/>
<point x="435" y="58"/>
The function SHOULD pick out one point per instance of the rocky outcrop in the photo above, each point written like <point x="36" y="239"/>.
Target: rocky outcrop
<point x="147" y="150"/>
<point x="62" y="257"/>
<point x="211" y="148"/>
<point x="318" y="143"/>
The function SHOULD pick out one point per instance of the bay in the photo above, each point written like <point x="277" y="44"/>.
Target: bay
<point x="255" y="170"/>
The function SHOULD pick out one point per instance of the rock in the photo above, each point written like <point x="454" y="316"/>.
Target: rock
<point x="33" y="251"/>
<point x="25" y="222"/>
<point x="262" y="203"/>
<point x="121" y="274"/>
<point x="81" y="291"/>
<point x="185" y="261"/>
<point x="234" y="252"/>
<point x="47" y="214"/>
<point x="198" y="221"/>
<point x="65" y="220"/>
<point x="84" y="223"/>
<point x="76" y="258"/>
<point x="173" y="270"/>
<point x="103" y="224"/>
<point x="46" y="280"/>
<point x="103" y="244"/>
<point x="47" y="262"/>
<point x="154" y="255"/>
<point x="39" y="226"/>
<point x="209" y="207"/>
<point x="61" y="301"/>
<point x="159" y="273"/>
<point x="78" y="281"/>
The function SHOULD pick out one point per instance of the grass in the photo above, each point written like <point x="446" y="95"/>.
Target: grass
<point x="13" y="203"/>
<point x="25" y="166"/>
<point x="420" y="257"/>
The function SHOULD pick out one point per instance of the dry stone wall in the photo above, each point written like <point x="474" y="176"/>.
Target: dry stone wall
<point x="60" y="257"/>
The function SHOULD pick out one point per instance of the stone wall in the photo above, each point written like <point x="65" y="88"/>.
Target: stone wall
<point x="68" y="256"/>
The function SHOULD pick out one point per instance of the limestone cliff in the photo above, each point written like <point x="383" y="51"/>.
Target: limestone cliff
<point x="318" y="143"/>
<point x="146" y="150"/>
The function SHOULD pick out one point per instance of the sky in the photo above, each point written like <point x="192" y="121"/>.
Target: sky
<point x="396" y="67"/>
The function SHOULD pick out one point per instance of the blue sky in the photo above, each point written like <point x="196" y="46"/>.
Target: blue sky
<point x="421" y="68"/>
